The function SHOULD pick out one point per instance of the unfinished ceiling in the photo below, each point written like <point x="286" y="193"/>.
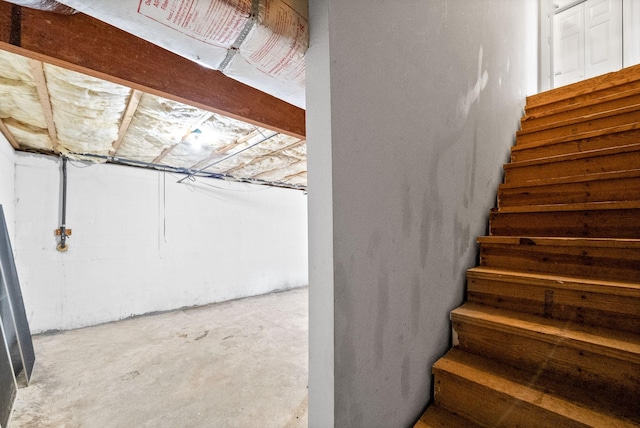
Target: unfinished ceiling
<point x="47" y="109"/>
<point x="50" y="109"/>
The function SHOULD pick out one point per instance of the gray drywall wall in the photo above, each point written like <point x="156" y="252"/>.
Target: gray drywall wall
<point x="7" y="181"/>
<point x="142" y="242"/>
<point x="320" y="208"/>
<point x="424" y="100"/>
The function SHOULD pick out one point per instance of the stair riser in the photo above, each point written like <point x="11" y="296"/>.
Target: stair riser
<point x="608" y="140"/>
<point x="554" y="358"/>
<point x="492" y="408"/>
<point x="580" y="224"/>
<point x="605" y="190"/>
<point x="617" y="264"/>
<point x="614" y="139"/>
<point x="525" y="351"/>
<point x="581" y="307"/>
<point x="529" y="174"/>
<point x="603" y="108"/>
<point x="579" y="128"/>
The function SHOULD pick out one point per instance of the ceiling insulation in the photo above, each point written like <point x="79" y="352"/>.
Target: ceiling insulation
<point x="86" y="111"/>
<point x="260" y="43"/>
<point x="48" y="109"/>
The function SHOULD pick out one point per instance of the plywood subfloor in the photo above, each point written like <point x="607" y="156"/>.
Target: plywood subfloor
<point x="233" y="364"/>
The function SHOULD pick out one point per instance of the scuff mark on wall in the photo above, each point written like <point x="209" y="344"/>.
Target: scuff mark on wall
<point x="473" y="94"/>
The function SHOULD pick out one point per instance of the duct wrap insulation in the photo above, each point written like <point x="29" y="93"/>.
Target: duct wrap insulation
<point x="260" y="43"/>
<point x="48" y="5"/>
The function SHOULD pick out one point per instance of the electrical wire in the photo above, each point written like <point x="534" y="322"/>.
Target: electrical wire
<point x="264" y="138"/>
<point x="191" y="175"/>
<point x="234" y="190"/>
<point x="71" y="162"/>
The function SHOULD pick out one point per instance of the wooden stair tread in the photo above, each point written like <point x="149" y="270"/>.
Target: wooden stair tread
<point x="581" y="206"/>
<point x="631" y="173"/>
<point x="570" y="128"/>
<point x="525" y="387"/>
<point x="618" y="186"/>
<point x="575" y="156"/>
<point x="576" y="136"/>
<point x="615" y="259"/>
<point x="601" y="224"/>
<point x="550" y="335"/>
<point x="594" y="84"/>
<point x="616" y="344"/>
<point x="619" y="288"/>
<point x="561" y="241"/>
<point x="625" y="91"/>
<point x="535" y="150"/>
<point x="574" y="120"/>
<point x="439" y="417"/>
<point x="608" y="304"/>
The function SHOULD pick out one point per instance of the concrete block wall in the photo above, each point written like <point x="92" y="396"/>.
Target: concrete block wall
<point x="142" y="243"/>
<point x="411" y="110"/>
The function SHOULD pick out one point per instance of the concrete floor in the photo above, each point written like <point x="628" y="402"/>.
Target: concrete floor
<point x="232" y="364"/>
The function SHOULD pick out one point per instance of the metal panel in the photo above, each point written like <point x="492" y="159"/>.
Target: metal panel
<point x="8" y="385"/>
<point x="23" y="358"/>
<point x="9" y="328"/>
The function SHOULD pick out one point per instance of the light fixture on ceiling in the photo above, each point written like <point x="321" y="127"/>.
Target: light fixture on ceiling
<point x="194" y="139"/>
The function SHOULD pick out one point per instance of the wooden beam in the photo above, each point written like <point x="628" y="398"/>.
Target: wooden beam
<point x="84" y="44"/>
<point x="132" y="106"/>
<point x="8" y="135"/>
<point x="45" y="102"/>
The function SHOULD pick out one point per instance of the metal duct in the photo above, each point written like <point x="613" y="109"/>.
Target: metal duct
<point x="260" y="43"/>
<point x="47" y="5"/>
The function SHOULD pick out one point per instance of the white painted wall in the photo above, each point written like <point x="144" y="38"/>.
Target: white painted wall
<point x="412" y="108"/>
<point x="7" y="172"/>
<point x="631" y="32"/>
<point x="142" y="243"/>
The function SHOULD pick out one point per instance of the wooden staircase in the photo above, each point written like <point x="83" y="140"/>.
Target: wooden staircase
<point x="550" y="333"/>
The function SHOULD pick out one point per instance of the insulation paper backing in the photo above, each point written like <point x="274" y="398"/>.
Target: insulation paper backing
<point x="258" y="42"/>
<point x="273" y="52"/>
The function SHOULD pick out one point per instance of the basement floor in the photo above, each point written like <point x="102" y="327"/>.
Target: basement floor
<point x="233" y="364"/>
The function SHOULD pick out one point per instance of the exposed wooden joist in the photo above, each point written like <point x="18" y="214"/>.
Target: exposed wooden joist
<point x="132" y="106"/>
<point x="260" y="175"/>
<point x="8" y="135"/>
<point x="43" y="94"/>
<point x="271" y="153"/>
<point x="215" y="153"/>
<point x="164" y="153"/>
<point x="289" y="147"/>
<point x="291" y="177"/>
<point x="87" y="45"/>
